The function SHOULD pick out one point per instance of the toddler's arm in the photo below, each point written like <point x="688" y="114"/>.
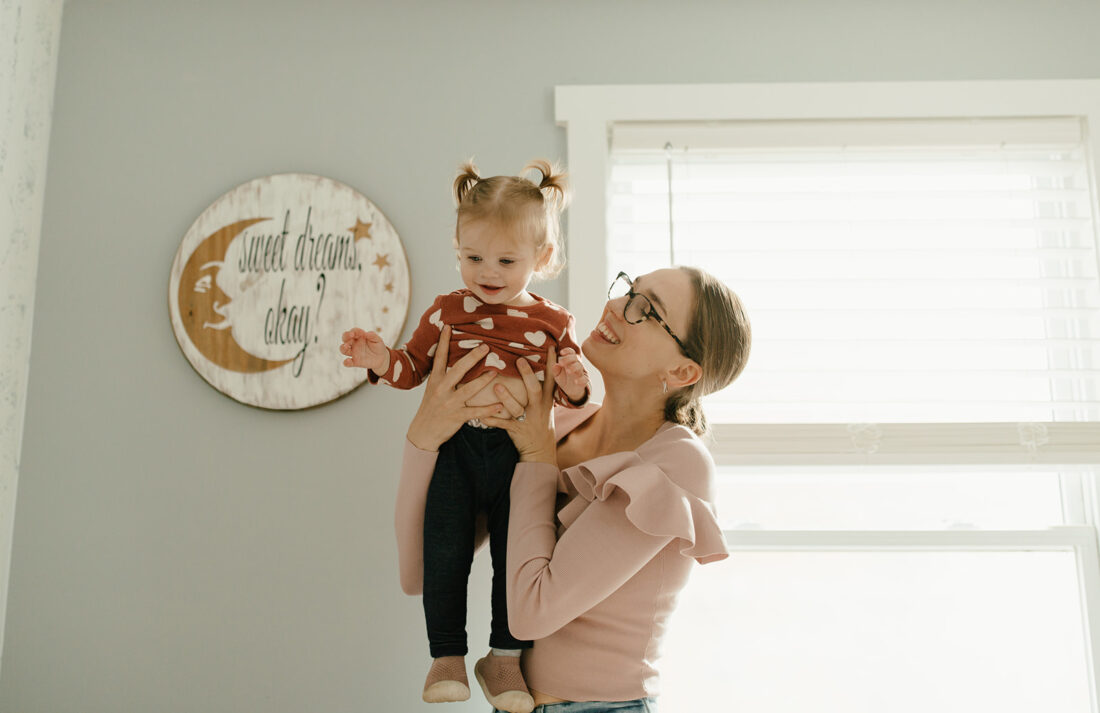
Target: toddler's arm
<point x="571" y="378"/>
<point x="569" y="373"/>
<point x="407" y="367"/>
<point x="365" y="350"/>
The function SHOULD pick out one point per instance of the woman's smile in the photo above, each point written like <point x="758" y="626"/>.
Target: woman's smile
<point x="604" y="332"/>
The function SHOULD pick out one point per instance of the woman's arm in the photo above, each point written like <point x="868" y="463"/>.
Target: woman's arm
<point x="412" y="492"/>
<point x="442" y="412"/>
<point x="552" y="581"/>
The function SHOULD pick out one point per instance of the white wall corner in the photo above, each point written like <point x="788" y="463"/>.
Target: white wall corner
<point x="29" y="35"/>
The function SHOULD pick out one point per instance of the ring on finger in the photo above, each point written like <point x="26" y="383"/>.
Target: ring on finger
<point x="522" y="416"/>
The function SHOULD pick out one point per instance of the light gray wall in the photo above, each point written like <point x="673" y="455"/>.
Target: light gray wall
<point x="177" y="551"/>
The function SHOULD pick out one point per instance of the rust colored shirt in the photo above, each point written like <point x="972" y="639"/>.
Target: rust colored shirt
<point x="509" y="332"/>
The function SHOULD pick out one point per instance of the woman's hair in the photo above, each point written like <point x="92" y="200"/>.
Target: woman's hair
<point x="517" y="204"/>
<point x="720" y="337"/>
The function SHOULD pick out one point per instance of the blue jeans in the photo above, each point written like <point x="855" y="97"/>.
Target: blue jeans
<point x="638" y="705"/>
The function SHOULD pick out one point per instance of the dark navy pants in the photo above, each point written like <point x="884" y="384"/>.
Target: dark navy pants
<point x="472" y="474"/>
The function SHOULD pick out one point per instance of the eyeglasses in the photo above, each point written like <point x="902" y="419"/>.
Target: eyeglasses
<point x="638" y="308"/>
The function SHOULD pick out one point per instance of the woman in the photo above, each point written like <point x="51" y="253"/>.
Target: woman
<point x="610" y="505"/>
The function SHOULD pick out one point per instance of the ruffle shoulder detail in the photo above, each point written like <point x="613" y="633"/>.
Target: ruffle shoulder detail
<point x="669" y="481"/>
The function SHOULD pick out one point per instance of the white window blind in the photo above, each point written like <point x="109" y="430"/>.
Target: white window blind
<point x="894" y="271"/>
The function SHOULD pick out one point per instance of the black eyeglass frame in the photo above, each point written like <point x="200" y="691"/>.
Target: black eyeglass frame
<point x="648" y="313"/>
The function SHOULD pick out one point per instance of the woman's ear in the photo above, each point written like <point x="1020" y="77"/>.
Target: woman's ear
<point x="685" y="373"/>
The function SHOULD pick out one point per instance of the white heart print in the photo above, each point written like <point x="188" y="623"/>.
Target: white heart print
<point x="396" y="371"/>
<point x="469" y="344"/>
<point x="517" y="313"/>
<point x="470" y="304"/>
<point x="536" y="338"/>
<point x="494" y="361"/>
<point x="433" y="318"/>
<point x="486" y="323"/>
<point x="431" y="350"/>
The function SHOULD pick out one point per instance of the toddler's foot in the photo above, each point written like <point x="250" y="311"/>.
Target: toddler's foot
<point x="502" y="682"/>
<point x="446" y="680"/>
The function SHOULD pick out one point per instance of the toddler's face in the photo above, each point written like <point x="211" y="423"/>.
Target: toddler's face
<point x="496" y="265"/>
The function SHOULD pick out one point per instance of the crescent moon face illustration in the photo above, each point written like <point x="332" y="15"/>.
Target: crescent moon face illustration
<point x="202" y="304"/>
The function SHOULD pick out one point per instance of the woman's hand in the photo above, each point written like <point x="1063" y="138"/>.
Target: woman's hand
<point x="443" y="409"/>
<point x="531" y="429"/>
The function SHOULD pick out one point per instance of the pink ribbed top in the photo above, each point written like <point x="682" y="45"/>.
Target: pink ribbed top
<point x="594" y="576"/>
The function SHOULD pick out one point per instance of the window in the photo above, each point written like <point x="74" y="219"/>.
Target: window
<point x="897" y="270"/>
<point x="907" y="465"/>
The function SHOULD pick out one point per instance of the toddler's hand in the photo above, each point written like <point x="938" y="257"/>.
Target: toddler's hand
<point x="570" y="375"/>
<point x="365" y="350"/>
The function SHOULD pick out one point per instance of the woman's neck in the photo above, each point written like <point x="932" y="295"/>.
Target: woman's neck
<point x="626" y="419"/>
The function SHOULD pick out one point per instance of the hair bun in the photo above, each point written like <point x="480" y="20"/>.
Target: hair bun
<point x="554" y="187"/>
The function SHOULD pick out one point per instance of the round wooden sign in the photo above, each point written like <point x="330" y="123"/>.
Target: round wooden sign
<point x="268" y="278"/>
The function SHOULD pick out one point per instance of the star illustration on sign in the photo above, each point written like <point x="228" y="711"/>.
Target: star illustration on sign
<point x="361" y="230"/>
<point x="388" y="287"/>
<point x="382" y="261"/>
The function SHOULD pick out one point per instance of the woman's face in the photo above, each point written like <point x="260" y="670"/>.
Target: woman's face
<point x="638" y="350"/>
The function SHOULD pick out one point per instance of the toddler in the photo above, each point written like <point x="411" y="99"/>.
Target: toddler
<point x="506" y="233"/>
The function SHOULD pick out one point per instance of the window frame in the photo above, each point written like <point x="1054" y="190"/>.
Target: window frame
<point x="588" y="113"/>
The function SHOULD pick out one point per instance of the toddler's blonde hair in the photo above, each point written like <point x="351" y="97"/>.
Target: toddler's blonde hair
<point x="518" y="204"/>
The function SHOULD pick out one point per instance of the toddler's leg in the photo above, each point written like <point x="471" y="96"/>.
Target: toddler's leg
<point x="449" y="514"/>
<point x="500" y="677"/>
<point x="494" y="483"/>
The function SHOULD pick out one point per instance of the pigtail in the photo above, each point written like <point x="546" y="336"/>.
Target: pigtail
<point x="467" y="178"/>
<point x="554" y="187"/>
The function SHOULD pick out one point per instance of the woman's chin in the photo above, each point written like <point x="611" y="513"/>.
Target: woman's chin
<point x="594" y="347"/>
